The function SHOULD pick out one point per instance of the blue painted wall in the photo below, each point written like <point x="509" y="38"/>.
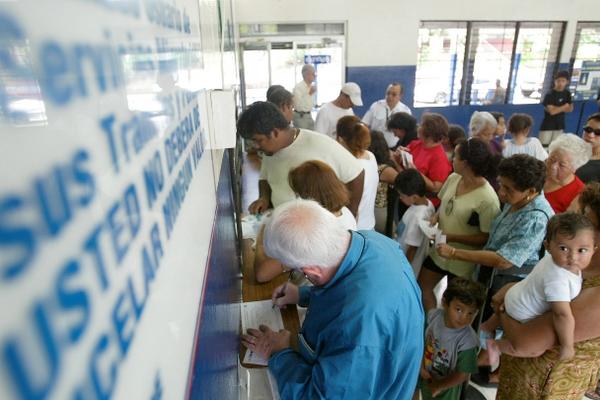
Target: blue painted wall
<point x="215" y="365"/>
<point x="374" y="80"/>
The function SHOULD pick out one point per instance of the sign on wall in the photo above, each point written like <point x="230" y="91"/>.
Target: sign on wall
<point x="107" y="197"/>
<point x="588" y="85"/>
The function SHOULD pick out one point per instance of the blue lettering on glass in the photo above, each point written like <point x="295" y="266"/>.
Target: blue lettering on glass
<point x="197" y="151"/>
<point x="123" y="234"/>
<point x="176" y="142"/>
<point x="120" y="318"/>
<point x="55" y="198"/>
<point x="9" y="30"/>
<point x="28" y="386"/>
<point x="56" y="73"/>
<point x="35" y="379"/>
<point x="87" y="185"/>
<point x="158" y="390"/>
<point x="20" y="238"/>
<point x="136" y="132"/>
<point x="106" y="124"/>
<point x="91" y="246"/>
<point x="66" y="188"/>
<point x="64" y="73"/>
<point x="128" y="7"/>
<point x="81" y="52"/>
<point x="103" y="391"/>
<point x="163" y="14"/>
<point x="176" y="196"/>
<point x="73" y="299"/>
<point x="154" y="179"/>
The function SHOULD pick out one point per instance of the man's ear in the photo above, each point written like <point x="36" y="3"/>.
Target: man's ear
<point x="546" y="244"/>
<point x="312" y="271"/>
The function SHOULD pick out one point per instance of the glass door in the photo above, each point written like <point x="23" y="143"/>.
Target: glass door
<point x="279" y="61"/>
<point x="327" y="57"/>
<point x="255" y="70"/>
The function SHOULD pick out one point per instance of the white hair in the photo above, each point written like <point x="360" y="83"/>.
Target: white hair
<point x="481" y="120"/>
<point x="579" y="150"/>
<point x="306" y="68"/>
<point x="301" y="233"/>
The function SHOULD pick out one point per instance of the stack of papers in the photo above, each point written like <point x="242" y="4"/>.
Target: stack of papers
<point x="254" y="314"/>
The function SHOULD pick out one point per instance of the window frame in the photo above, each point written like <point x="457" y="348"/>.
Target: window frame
<point x="470" y="54"/>
<point x="576" y="44"/>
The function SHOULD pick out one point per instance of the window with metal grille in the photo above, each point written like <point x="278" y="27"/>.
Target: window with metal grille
<point x="492" y="62"/>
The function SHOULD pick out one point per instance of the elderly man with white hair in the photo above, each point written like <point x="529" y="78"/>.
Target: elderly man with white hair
<point x="303" y="99"/>
<point x="363" y="333"/>
<point x="483" y="126"/>
<point x="565" y="154"/>
<point x="380" y="112"/>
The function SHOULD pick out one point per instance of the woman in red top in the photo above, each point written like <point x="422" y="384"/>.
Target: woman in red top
<point x="429" y="157"/>
<point x="567" y="153"/>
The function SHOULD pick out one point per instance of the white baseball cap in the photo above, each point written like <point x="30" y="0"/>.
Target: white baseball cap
<point x="353" y="91"/>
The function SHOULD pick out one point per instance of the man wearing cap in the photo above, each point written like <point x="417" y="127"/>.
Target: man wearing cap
<point x="303" y="99"/>
<point x="380" y="112"/>
<point x="330" y="113"/>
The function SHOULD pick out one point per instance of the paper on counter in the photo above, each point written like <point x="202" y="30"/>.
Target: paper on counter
<point x="254" y="314"/>
<point x="251" y="224"/>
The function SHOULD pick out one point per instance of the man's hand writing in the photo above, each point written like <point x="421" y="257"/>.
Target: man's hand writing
<point x="264" y="341"/>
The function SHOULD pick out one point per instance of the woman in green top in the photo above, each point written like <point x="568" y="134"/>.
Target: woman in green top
<point x="468" y="206"/>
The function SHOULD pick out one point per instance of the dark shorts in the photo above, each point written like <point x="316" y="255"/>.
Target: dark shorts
<point x="429" y="264"/>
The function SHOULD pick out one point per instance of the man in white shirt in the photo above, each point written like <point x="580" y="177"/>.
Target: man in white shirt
<point x="283" y="100"/>
<point x="330" y="113"/>
<point x="380" y="112"/>
<point x="303" y="99"/>
<point x="285" y="148"/>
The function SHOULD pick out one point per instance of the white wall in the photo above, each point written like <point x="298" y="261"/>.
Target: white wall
<point x="384" y="32"/>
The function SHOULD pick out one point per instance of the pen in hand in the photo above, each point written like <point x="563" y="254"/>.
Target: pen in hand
<point x="280" y="294"/>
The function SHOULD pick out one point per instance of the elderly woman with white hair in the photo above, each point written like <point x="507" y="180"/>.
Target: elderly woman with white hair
<point x="566" y="154"/>
<point x="483" y="125"/>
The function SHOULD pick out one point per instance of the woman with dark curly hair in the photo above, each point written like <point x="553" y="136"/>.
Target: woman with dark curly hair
<point x="468" y="208"/>
<point x="404" y="127"/>
<point x="517" y="233"/>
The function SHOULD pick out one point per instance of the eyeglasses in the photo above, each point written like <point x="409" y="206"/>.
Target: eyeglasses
<point x="589" y="129"/>
<point x="449" y="206"/>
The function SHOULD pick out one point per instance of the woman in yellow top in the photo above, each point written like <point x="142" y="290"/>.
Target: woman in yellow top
<point x="545" y="376"/>
<point x="468" y="207"/>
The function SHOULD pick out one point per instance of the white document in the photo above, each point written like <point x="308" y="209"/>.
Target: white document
<point x="254" y="314"/>
<point x="428" y="230"/>
<point x="407" y="159"/>
<point x="440" y="238"/>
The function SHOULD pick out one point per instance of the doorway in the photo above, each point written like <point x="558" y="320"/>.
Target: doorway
<point x="278" y="60"/>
